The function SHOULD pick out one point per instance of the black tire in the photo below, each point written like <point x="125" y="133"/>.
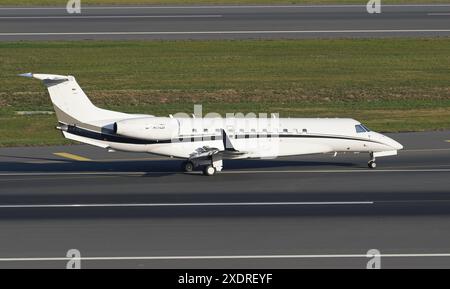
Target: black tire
<point x="188" y="166"/>
<point x="372" y="165"/>
<point x="209" y="170"/>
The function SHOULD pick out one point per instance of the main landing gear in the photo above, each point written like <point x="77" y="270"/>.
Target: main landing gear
<point x="187" y="166"/>
<point x="209" y="165"/>
<point x="209" y="170"/>
<point x="372" y="164"/>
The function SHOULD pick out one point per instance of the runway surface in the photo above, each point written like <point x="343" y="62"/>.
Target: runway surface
<point x="140" y="211"/>
<point x="224" y="22"/>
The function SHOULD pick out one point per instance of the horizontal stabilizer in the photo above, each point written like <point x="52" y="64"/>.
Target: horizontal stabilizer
<point x="45" y="76"/>
<point x="85" y="140"/>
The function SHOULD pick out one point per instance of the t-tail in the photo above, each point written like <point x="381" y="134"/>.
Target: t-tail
<point x="71" y="104"/>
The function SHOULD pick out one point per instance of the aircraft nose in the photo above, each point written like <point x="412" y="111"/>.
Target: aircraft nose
<point x="395" y="144"/>
<point x="398" y="146"/>
<point x="389" y="142"/>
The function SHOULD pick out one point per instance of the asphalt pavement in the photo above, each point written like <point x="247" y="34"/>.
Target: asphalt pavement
<point x="224" y="22"/>
<point x="139" y="211"/>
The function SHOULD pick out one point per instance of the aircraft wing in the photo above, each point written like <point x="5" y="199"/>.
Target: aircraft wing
<point x="227" y="152"/>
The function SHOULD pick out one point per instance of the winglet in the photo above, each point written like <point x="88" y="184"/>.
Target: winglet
<point x="227" y="145"/>
<point x="29" y="75"/>
<point x="51" y="77"/>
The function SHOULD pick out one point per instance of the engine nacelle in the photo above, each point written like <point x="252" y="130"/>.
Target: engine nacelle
<point x="149" y="128"/>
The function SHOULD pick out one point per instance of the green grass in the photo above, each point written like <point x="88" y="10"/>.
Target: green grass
<point x="168" y="2"/>
<point x="390" y="84"/>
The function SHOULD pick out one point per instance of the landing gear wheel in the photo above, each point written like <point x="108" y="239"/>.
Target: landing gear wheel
<point x="372" y="164"/>
<point x="188" y="166"/>
<point x="209" y="170"/>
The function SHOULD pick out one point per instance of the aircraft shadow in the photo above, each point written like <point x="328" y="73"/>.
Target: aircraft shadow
<point x="169" y="166"/>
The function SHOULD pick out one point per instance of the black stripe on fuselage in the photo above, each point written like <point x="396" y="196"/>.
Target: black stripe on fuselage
<point x="194" y="138"/>
<point x="109" y="137"/>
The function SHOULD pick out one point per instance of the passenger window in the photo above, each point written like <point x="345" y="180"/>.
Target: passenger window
<point x="285" y="130"/>
<point x="304" y="130"/>
<point x="359" y="128"/>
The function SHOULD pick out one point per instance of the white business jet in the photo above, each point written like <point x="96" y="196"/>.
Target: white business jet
<point x="204" y="142"/>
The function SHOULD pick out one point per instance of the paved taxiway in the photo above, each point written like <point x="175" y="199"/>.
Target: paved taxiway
<point x="224" y="22"/>
<point x="140" y="211"/>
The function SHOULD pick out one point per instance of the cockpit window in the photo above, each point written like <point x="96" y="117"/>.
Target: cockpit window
<point x="360" y="128"/>
<point x="365" y="127"/>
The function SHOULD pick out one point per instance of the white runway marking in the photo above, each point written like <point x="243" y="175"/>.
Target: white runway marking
<point x="224" y="257"/>
<point x="337" y="171"/>
<point x="111" y="17"/>
<point x="224" y="7"/>
<point x="82" y="174"/>
<point x="237" y="32"/>
<point x="246" y="204"/>
<point x="424" y="150"/>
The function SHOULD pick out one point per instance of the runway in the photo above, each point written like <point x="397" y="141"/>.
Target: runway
<point x="139" y="211"/>
<point x="224" y="22"/>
